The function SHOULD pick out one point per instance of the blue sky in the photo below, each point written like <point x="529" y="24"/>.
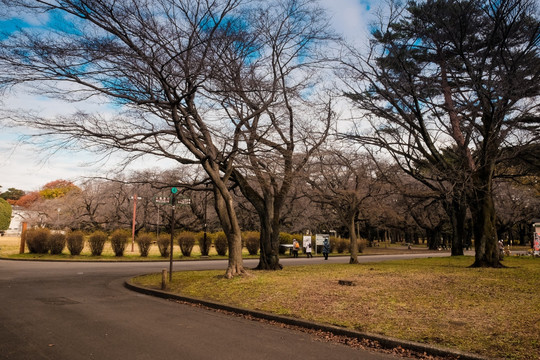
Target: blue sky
<point x="29" y="167"/>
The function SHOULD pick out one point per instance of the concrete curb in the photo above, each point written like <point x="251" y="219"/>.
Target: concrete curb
<point x="384" y="341"/>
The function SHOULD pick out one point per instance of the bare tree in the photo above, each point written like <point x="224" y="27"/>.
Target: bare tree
<point x="284" y="82"/>
<point x="346" y="183"/>
<point x="158" y="60"/>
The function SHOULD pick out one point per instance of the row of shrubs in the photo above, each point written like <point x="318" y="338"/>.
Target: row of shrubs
<point x="42" y="241"/>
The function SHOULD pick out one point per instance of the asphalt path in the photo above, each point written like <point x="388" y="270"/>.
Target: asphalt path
<point x="81" y="310"/>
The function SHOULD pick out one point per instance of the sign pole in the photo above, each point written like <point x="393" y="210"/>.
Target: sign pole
<point x="133" y="225"/>
<point x="173" y="203"/>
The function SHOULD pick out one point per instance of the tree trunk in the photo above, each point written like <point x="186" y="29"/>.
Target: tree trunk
<point x="354" y="242"/>
<point x="459" y="210"/>
<point x="268" y="208"/>
<point x="227" y="216"/>
<point x="433" y="236"/>
<point x="484" y="226"/>
<point x="456" y="209"/>
<point x="269" y="241"/>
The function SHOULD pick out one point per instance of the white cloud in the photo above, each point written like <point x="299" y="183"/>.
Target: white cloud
<point x="349" y="17"/>
<point x="29" y="167"/>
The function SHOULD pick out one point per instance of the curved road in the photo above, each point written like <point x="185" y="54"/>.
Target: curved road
<point x="74" y="310"/>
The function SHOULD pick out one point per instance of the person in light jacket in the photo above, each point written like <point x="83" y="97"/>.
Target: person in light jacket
<point x="308" y="249"/>
<point x="295" y="248"/>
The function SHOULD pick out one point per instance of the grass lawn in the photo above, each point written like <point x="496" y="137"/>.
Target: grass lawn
<point x="491" y="312"/>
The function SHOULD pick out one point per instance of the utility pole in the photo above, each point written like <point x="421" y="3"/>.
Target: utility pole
<point x="134" y="197"/>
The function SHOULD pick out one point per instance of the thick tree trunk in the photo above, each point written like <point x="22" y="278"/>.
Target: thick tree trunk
<point x="484" y="226"/>
<point x="269" y="240"/>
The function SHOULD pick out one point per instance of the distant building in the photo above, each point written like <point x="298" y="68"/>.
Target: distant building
<point x="18" y="216"/>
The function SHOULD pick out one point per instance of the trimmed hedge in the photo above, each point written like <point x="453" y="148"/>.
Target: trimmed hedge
<point x="37" y="240"/>
<point x="144" y="241"/>
<point x="119" y="240"/>
<point x="75" y="242"/>
<point x="205" y="247"/>
<point x="221" y="243"/>
<point x="97" y="242"/>
<point x="186" y="240"/>
<point x="164" y="244"/>
<point x="57" y="242"/>
<point x="252" y="241"/>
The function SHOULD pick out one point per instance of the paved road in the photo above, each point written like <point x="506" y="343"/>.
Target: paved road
<point x="58" y="310"/>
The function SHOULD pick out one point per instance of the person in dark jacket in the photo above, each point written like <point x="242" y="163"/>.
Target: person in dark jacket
<point x="326" y="249"/>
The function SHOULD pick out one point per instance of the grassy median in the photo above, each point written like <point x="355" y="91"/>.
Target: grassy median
<point x="491" y="312"/>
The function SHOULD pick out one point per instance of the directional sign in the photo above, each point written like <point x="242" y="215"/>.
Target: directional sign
<point x="162" y="200"/>
<point x="185" y="201"/>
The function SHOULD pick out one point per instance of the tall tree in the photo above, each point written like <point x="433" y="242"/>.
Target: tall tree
<point x="157" y="60"/>
<point x="459" y="73"/>
<point x="283" y="81"/>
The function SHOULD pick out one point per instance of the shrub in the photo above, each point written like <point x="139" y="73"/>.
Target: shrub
<point x="75" y="242"/>
<point x="144" y="241"/>
<point x="341" y="245"/>
<point x="205" y="247"/>
<point x="119" y="240"/>
<point x="57" y="242"/>
<point x="97" y="241"/>
<point x="221" y="243"/>
<point x="38" y="240"/>
<point x="164" y="244"/>
<point x="252" y="242"/>
<point x="5" y="215"/>
<point x="333" y="243"/>
<point x="186" y="240"/>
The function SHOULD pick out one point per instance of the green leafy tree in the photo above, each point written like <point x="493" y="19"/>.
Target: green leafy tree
<point x="5" y="214"/>
<point x="12" y="194"/>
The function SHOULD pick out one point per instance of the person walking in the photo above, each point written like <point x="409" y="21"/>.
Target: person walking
<point x="308" y="249"/>
<point x="295" y="248"/>
<point x="326" y="248"/>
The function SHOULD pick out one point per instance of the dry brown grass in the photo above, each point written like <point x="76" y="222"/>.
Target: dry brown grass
<point x="492" y="312"/>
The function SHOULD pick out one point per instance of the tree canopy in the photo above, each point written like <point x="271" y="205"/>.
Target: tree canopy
<point x="452" y="74"/>
<point x="5" y="214"/>
<point x="12" y="194"/>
